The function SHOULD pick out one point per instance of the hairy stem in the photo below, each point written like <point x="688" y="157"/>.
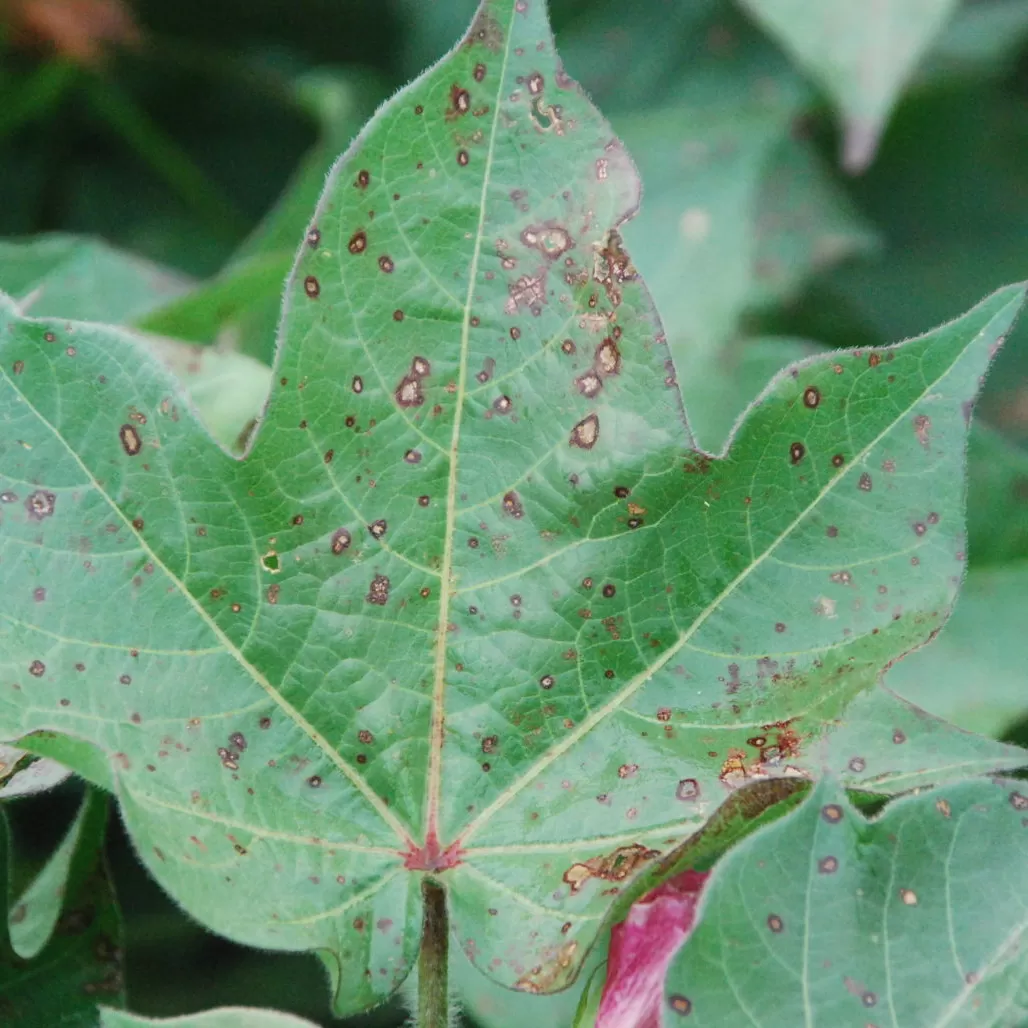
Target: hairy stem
<point x="433" y="997"/>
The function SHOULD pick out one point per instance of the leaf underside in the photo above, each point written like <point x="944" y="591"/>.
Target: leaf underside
<point x="473" y="605"/>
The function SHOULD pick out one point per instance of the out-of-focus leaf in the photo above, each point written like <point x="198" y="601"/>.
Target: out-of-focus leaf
<point x="976" y="673"/>
<point x="981" y="40"/>
<point x="276" y="649"/>
<point x="914" y="919"/>
<point x="227" y="388"/>
<point x="861" y="53"/>
<point x="223" y="1017"/>
<point x="85" y="279"/>
<point x="22" y="774"/>
<point x="641" y="948"/>
<point x="721" y="383"/>
<point x="63" y="953"/>
<point x="997" y="500"/>
<point x="80" y="30"/>
<point x="245" y="297"/>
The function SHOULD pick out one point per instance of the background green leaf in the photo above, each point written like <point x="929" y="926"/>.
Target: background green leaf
<point x="826" y="918"/>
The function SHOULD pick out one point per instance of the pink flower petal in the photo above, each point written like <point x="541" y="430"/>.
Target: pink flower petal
<point x="641" y="947"/>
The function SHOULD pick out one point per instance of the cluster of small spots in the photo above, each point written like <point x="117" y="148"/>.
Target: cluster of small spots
<point x="379" y="590"/>
<point x="40" y="504"/>
<point x="512" y="505"/>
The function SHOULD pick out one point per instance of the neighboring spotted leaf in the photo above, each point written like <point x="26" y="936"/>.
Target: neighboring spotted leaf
<point x="823" y="918"/>
<point x="473" y="605"/>
<point x="862" y="54"/>
<point x="62" y="931"/>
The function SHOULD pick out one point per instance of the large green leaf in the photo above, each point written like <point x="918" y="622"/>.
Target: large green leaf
<point x="60" y="945"/>
<point x="823" y="918"/>
<point x="861" y="54"/>
<point x="473" y="606"/>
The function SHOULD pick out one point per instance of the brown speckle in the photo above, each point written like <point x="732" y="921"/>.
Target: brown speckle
<point x="463" y="158"/>
<point x="313" y="237"/>
<point x="314" y="781"/>
<point x="609" y="590"/>
<point x="627" y="770"/>
<point x="838" y="460"/>
<point x="864" y="484"/>
<point x="363" y="178"/>
<point x="479" y="72"/>
<point x="899" y="736"/>
<point x="386" y="264"/>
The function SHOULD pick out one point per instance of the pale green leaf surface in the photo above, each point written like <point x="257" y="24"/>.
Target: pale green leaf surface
<point x="22" y="774"/>
<point x="77" y="277"/>
<point x="825" y="919"/>
<point x="473" y="605"/>
<point x="861" y="54"/>
<point x="976" y="673"/>
<point x="223" y="1017"/>
<point x="68" y="923"/>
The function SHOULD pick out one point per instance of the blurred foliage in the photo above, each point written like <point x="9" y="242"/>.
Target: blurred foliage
<point x="164" y="157"/>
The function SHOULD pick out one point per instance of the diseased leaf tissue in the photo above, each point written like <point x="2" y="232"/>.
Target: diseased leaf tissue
<point x="473" y="605"/>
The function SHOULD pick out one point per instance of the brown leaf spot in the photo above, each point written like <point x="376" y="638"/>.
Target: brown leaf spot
<point x="586" y="432"/>
<point x="40" y="504"/>
<point x="379" y="591"/>
<point x="922" y="426"/>
<point x="688" y="790"/>
<point x="832" y="813"/>
<point x="827" y="865"/>
<point x="130" y="441"/>
<point x="313" y="237"/>
<point x="627" y="770"/>
<point x="463" y="158"/>
<point x="378" y="528"/>
<point x="312" y="287"/>
<point x="680" y="1004"/>
<point x="613" y="867"/>
<point x="547" y="682"/>
<point x="37" y="669"/>
<point x="775" y="923"/>
<point x="864" y="484"/>
<point x="357" y="384"/>
<point x="811" y="397"/>
<point x="589" y="384"/>
<point x="358" y="242"/>
<point x="796" y="452"/>
<point x="386" y="264"/>
<point x="608" y="358"/>
<point x="479" y="72"/>
<point x="363" y="178"/>
<point x="409" y="392"/>
<point x="341" y="540"/>
<point x="899" y="736"/>
<point x="838" y="460"/>
<point x="512" y="505"/>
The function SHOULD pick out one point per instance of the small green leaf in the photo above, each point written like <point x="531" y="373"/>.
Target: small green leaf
<point x="473" y="605"/>
<point x="914" y="919"/>
<point x="223" y="1017"/>
<point x="861" y="54"/>
<point x="64" y="931"/>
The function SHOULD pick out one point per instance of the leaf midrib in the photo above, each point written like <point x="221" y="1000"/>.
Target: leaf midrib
<point x="447" y="588"/>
